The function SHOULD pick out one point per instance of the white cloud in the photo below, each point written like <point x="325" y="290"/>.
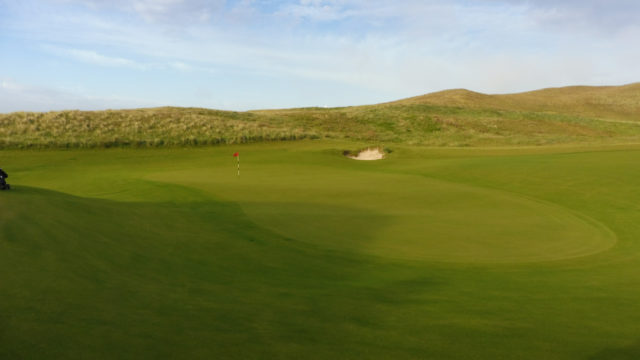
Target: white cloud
<point x="177" y="11"/>
<point x="593" y="16"/>
<point x="15" y="96"/>
<point x="317" y="10"/>
<point x="9" y="85"/>
<point x="168" y="12"/>
<point x="375" y="47"/>
<point x="93" y="57"/>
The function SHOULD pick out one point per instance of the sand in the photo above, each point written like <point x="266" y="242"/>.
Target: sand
<point x="369" y="154"/>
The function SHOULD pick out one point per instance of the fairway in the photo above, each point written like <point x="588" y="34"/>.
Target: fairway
<point x="430" y="253"/>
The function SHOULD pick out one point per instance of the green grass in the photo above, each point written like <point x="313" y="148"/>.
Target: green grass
<point x="527" y="253"/>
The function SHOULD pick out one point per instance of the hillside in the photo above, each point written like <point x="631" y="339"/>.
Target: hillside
<point x="608" y="102"/>
<point x="447" y="118"/>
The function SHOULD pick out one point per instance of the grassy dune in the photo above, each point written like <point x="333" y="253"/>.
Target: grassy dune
<point x="154" y="127"/>
<point x="431" y="253"/>
<point x="603" y="115"/>
<point x="603" y="102"/>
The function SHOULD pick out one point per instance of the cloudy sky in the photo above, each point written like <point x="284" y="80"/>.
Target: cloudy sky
<point x="250" y="54"/>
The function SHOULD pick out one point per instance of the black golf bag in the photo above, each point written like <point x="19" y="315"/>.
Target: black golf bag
<point x="3" y="182"/>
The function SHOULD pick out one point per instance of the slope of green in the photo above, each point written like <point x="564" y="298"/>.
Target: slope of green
<point x="431" y="253"/>
<point x="604" y="115"/>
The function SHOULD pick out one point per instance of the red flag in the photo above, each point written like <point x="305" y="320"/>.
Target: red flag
<point x="236" y="155"/>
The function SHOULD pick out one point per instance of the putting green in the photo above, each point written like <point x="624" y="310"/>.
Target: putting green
<point x="435" y="220"/>
<point x="331" y="203"/>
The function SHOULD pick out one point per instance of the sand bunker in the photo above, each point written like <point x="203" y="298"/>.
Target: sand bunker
<point x="369" y="154"/>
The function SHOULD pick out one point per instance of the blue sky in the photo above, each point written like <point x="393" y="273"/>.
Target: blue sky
<point x="253" y="54"/>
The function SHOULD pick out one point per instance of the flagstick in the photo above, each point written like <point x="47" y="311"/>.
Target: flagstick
<point x="238" y="164"/>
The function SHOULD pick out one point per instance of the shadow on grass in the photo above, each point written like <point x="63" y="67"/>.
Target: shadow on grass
<point x="631" y="352"/>
<point x="89" y="278"/>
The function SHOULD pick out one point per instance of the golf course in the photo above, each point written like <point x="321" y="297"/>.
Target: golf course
<point x="495" y="227"/>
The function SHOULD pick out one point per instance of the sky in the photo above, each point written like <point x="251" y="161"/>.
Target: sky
<point x="258" y="54"/>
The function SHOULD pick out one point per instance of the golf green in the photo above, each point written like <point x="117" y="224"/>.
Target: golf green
<point x="439" y="221"/>
<point x="429" y="253"/>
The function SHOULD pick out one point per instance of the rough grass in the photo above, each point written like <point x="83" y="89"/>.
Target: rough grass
<point x="451" y="118"/>
<point x="138" y="128"/>
<point x="609" y="102"/>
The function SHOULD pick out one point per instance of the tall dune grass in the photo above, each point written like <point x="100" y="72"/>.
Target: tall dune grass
<point x="454" y="118"/>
